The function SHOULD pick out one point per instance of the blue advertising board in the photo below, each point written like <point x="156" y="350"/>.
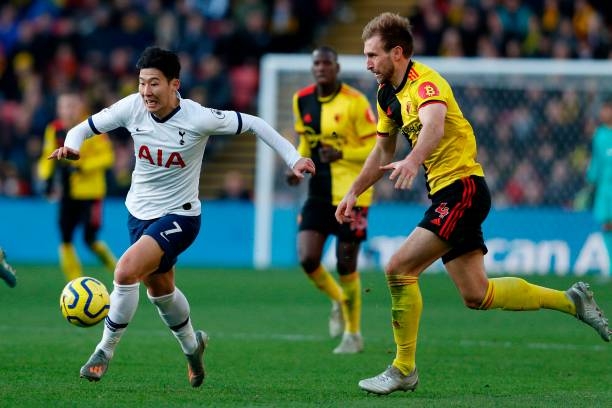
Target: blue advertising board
<point x="520" y="241"/>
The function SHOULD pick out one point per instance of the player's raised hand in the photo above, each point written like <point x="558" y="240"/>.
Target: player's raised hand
<point x="64" y="153"/>
<point x="303" y="166"/>
<point x="344" y="211"/>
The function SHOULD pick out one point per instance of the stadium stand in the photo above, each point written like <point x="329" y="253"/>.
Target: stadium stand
<point x="47" y="46"/>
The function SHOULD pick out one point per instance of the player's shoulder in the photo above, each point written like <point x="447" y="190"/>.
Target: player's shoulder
<point x="190" y="104"/>
<point x="351" y="91"/>
<point x="131" y="99"/>
<point x="305" y="91"/>
<point x="194" y="110"/>
<point x="129" y="103"/>
<point x="421" y="72"/>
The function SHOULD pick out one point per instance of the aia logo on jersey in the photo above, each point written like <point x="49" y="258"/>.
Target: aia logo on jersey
<point x="428" y="90"/>
<point x="160" y="158"/>
<point x="442" y="210"/>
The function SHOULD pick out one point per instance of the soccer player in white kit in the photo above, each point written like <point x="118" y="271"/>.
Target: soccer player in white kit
<point x="170" y="134"/>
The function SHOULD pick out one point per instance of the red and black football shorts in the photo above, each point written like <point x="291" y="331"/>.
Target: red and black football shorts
<point x="320" y="216"/>
<point x="456" y="215"/>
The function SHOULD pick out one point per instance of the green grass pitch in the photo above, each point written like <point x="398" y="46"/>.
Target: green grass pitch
<point x="269" y="348"/>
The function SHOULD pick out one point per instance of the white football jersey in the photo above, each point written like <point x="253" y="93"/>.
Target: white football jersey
<point x="168" y="152"/>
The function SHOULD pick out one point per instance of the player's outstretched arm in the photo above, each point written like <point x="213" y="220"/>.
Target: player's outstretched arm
<point x="275" y="140"/>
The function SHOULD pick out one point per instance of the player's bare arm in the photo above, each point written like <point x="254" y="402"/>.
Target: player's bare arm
<point x="371" y="172"/>
<point x="64" y="153"/>
<point x="404" y="171"/>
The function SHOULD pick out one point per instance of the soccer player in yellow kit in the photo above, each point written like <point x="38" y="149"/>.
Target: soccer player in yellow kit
<point x="337" y="129"/>
<point x="82" y="184"/>
<point x="418" y="102"/>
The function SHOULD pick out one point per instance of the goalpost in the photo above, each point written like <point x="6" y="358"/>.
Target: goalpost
<point x="521" y="95"/>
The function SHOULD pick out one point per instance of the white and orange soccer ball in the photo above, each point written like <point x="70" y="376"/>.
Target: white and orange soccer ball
<point x="84" y="301"/>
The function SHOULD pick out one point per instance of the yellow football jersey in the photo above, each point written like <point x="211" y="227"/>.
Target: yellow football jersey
<point x="455" y="157"/>
<point x="343" y="120"/>
<point x="83" y="179"/>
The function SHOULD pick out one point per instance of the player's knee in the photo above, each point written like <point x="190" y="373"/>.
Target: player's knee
<point x="393" y="267"/>
<point x="123" y="274"/>
<point x="346" y="267"/>
<point x="309" y="263"/>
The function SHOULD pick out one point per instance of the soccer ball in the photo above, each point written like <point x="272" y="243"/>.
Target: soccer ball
<point x="84" y="301"/>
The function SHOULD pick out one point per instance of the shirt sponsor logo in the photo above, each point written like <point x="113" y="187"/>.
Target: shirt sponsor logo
<point x="158" y="157"/>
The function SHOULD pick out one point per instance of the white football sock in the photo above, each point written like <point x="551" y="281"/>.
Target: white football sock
<point x="174" y="311"/>
<point x="123" y="305"/>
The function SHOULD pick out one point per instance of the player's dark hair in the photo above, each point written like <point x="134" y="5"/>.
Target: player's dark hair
<point x="327" y="50"/>
<point x="393" y="30"/>
<point x="166" y="61"/>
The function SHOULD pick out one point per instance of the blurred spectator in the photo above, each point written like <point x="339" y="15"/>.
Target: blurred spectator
<point x="247" y="42"/>
<point x="234" y="187"/>
<point x="514" y="17"/>
<point x="244" y="81"/>
<point x="214" y="80"/>
<point x="470" y="27"/>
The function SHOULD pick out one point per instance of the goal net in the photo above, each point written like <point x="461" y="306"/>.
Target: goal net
<point x="533" y="121"/>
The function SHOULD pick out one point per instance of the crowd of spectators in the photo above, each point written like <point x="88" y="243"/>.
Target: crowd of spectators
<point x="47" y="46"/>
<point x="513" y="28"/>
<point x="533" y="140"/>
